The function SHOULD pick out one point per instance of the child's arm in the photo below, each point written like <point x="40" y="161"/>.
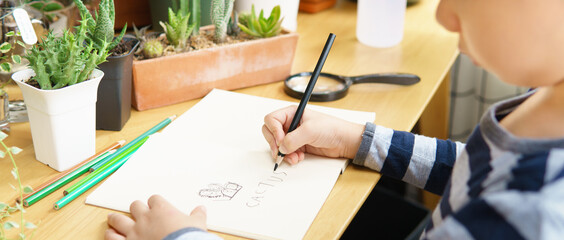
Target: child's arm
<point x="422" y="161"/>
<point x="519" y="212"/>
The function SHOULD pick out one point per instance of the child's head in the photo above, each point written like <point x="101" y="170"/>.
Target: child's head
<point x="521" y="41"/>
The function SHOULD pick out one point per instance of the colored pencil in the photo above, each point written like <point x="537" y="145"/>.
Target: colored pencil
<point x="101" y="174"/>
<point x="31" y="199"/>
<point x="308" y="91"/>
<point x="147" y="133"/>
<point x="121" y="155"/>
<point x="68" y="175"/>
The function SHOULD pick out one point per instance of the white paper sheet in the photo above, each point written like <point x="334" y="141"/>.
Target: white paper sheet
<point x="215" y="155"/>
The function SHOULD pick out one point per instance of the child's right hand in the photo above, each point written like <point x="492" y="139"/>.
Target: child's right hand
<point x="317" y="133"/>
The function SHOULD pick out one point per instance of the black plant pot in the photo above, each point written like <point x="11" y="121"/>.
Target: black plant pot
<point x="113" y="107"/>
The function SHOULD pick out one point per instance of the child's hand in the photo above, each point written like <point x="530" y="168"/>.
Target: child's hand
<point x="317" y="133"/>
<point x="154" y="221"/>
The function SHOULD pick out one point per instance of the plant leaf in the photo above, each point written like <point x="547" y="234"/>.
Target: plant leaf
<point x="3" y="206"/>
<point x="5" y="67"/>
<point x="27" y="189"/>
<point x="261" y="14"/>
<point x="263" y="26"/>
<point x="15" y="150"/>
<point x="53" y="6"/>
<point x="20" y="207"/>
<point x="10" y="224"/>
<point x="275" y="14"/>
<point x="248" y="31"/>
<point x="17" y="59"/>
<point x="30" y="225"/>
<point x="14" y="173"/>
<point x="3" y="136"/>
<point x="21" y="43"/>
<point x="10" y="34"/>
<point x="5" y="47"/>
<point x="37" y="5"/>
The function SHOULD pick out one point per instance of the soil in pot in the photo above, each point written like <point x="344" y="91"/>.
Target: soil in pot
<point x="123" y="48"/>
<point x="201" y="41"/>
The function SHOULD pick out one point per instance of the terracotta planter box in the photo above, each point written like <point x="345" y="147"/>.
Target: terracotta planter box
<point x="172" y="79"/>
<point x="313" y="6"/>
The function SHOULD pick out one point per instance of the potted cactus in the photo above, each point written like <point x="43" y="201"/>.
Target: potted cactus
<point x="288" y="7"/>
<point x="234" y="59"/>
<point x="60" y="91"/>
<point x="113" y="107"/>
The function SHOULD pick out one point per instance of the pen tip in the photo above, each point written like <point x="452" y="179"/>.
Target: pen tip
<point x="275" y="166"/>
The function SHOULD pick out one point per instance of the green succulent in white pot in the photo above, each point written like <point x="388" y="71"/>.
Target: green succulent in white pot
<point x="60" y="92"/>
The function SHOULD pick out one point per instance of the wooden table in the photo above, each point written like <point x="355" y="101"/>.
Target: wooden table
<point x="426" y="50"/>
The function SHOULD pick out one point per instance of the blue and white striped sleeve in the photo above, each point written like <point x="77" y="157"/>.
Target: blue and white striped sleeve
<point x="422" y="161"/>
<point x="191" y="233"/>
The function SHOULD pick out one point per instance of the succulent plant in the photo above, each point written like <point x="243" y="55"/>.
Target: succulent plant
<point x="233" y="26"/>
<point x="8" y="49"/>
<point x="66" y="60"/>
<point x="195" y="16"/>
<point x="260" y="26"/>
<point x="101" y="29"/>
<point x="153" y="48"/>
<point x="177" y="29"/>
<point x="47" y="7"/>
<point x="221" y="13"/>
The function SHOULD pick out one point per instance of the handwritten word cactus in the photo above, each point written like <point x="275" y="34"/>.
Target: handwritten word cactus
<point x="260" y="26"/>
<point x="101" y="29"/>
<point x="221" y="13"/>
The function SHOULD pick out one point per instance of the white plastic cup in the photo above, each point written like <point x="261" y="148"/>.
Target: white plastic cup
<point x="288" y="9"/>
<point x="380" y="23"/>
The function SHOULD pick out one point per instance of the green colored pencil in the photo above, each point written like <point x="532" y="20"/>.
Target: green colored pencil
<point x="128" y="151"/>
<point x="89" y="184"/>
<point x="28" y="201"/>
<point x="147" y="133"/>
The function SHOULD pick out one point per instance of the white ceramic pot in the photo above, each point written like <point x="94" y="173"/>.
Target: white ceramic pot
<point x="288" y="9"/>
<point x="63" y="121"/>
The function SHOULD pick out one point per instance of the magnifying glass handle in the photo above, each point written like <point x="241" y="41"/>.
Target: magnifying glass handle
<point x="390" y="78"/>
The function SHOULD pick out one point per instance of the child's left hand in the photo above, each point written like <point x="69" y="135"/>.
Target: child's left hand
<point x="153" y="221"/>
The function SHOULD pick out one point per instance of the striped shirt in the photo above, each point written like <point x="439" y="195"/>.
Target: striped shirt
<point x="497" y="186"/>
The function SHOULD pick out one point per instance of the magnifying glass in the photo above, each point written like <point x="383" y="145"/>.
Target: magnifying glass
<point x="330" y="87"/>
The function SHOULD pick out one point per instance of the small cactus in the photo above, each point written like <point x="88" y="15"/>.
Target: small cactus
<point x="153" y="48"/>
<point x="177" y="29"/>
<point x="221" y="13"/>
<point x="101" y="29"/>
<point x="260" y="26"/>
